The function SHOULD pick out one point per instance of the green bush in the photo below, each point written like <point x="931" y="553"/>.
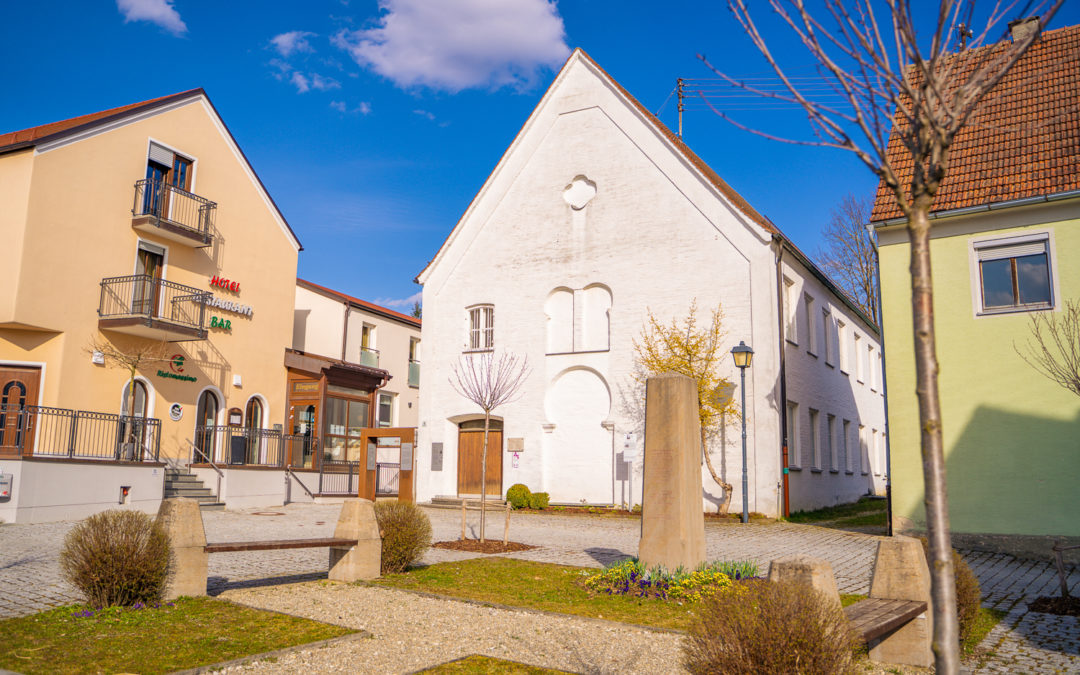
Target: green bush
<point x="538" y="501"/>
<point x="968" y="592"/>
<point x="117" y="557"/>
<point x="518" y="496"/>
<point x="406" y="534"/>
<point x="769" y="627"/>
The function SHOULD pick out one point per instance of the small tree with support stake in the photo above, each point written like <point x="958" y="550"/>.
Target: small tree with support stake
<point x="489" y="381"/>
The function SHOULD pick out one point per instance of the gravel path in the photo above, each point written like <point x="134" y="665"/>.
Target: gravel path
<point x="411" y="632"/>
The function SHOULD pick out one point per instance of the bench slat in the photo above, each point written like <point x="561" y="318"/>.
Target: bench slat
<point x="875" y="617"/>
<point x="276" y="544"/>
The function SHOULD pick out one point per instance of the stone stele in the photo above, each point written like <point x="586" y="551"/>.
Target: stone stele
<point x="673" y="521"/>
<point x="901" y="573"/>
<point x="183" y="524"/>
<point x="364" y="560"/>
<point x="804" y="570"/>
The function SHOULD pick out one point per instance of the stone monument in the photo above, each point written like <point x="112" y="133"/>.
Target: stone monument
<point x="183" y="524"/>
<point x="672" y="517"/>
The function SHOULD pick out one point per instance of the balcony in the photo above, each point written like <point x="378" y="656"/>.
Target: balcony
<point x="171" y="213"/>
<point x="369" y="357"/>
<point x="152" y="308"/>
<point x="414" y="373"/>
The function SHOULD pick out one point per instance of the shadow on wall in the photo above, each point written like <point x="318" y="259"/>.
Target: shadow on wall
<point x="1010" y="473"/>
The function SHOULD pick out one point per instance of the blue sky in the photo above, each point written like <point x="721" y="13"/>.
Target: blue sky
<point x="373" y="124"/>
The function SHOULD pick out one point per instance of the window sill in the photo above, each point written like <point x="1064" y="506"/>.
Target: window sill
<point x="866" y="473"/>
<point x="830" y="365"/>
<point x="815" y="470"/>
<point x="580" y="351"/>
<point x="487" y="350"/>
<point x="849" y="472"/>
<point x="812" y="353"/>
<point x="794" y="468"/>
<point x="997" y="311"/>
<point x="834" y="470"/>
<point x="790" y="341"/>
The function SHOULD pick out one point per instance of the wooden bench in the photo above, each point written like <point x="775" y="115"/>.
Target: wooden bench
<point x="875" y="617"/>
<point x="277" y="544"/>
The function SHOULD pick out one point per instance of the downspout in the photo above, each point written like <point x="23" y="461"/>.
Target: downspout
<point x="345" y="333"/>
<point x="880" y="318"/>
<point x="783" y="374"/>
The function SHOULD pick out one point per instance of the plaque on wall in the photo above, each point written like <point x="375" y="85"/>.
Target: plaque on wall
<point x="406" y="456"/>
<point x="372" y="456"/>
<point x="436" y="456"/>
<point x="515" y="445"/>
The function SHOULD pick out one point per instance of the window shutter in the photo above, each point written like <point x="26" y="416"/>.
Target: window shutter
<point x="1014" y="251"/>
<point x="160" y="155"/>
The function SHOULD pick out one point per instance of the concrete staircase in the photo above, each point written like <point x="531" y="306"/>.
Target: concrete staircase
<point x="183" y="483"/>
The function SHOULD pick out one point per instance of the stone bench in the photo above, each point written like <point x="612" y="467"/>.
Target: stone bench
<point x="894" y="620"/>
<point x="355" y="548"/>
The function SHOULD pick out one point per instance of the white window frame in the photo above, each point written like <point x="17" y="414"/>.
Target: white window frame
<point x="811" y="324"/>
<point x="378" y="409"/>
<point x="842" y="346"/>
<point x="872" y="372"/>
<point x="860" y="374"/>
<point x="847" y="447"/>
<point x="827" y="334"/>
<point x="791" y="307"/>
<point x="830" y="423"/>
<point x="815" y="440"/>
<point x="794" y="445"/>
<point x="480" y="320"/>
<point x="864" y="451"/>
<point x="982" y="243"/>
<point x="875" y="454"/>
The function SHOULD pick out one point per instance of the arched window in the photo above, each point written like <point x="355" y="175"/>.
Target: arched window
<point x="205" y="421"/>
<point x="253" y="416"/>
<point x="141" y="398"/>
<point x="559" y="310"/>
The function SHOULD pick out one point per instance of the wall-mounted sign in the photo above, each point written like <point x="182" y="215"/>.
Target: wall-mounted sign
<point x="222" y="282"/>
<point x="305" y="386"/>
<point x="236" y="417"/>
<point x="176" y="367"/>
<point x="229" y="306"/>
<point x="176" y="411"/>
<point x="174" y="376"/>
<point x="224" y="324"/>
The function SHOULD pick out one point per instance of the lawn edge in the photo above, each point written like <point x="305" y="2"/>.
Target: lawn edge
<point x="497" y="658"/>
<point x="517" y="608"/>
<point x="319" y="644"/>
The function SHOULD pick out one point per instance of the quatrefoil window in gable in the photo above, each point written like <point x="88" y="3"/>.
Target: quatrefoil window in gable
<point x="578" y="193"/>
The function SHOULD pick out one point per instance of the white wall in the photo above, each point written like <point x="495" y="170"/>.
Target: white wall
<point x="44" y="491"/>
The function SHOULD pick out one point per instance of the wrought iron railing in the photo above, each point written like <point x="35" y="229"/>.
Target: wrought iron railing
<point x="229" y="445"/>
<point x="339" y="477"/>
<point x="387" y="478"/>
<point x="369" y="357"/>
<point x="147" y="297"/>
<point x="177" y="207"/>
<point x="39" y="431"/>
<point x="414" y="373"/>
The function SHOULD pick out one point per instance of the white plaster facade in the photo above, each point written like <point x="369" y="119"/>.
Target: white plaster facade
<point x="594" y="217"/>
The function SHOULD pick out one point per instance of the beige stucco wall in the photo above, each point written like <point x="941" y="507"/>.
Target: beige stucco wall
<point x="78" y="230"/>
<point x="15" y="171"/>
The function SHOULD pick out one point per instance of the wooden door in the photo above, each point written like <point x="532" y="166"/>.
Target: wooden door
<point x="18" y="389"/>
<point x="470" y="454"/>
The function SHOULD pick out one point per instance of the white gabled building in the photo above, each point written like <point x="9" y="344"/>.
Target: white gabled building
<point x="594" y="216"/>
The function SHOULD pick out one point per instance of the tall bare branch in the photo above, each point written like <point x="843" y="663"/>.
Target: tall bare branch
<point x="847" y="253"/>
<point x="1054" y="346"/>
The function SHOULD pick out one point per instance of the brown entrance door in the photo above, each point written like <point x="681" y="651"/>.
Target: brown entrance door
<point x="470" y="455"/>
<point x="18" y="389"/>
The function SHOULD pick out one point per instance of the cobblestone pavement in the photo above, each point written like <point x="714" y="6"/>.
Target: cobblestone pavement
<point x="1024" y="641"/>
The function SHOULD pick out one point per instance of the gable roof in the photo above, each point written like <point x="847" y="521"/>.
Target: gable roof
<point x="1022" y="141"/>
<point x="55" y="131"/>
<point x="364" y="304"/>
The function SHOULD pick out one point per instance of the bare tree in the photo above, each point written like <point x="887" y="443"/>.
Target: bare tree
<point x="1054" y="347"/>
<point x="898" y="99"/>
<point x="847" y="253"/>
<point x="138" y="354"/>
<point x="489" y="381"/>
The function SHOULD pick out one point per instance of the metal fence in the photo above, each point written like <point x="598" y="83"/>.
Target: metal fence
<point x="177" y="207"/>
<point x="387" y="477"/>
<point x="252" y="447"/>
<point x="40" y="431"/>
<point x="145" y="296"/>
<point x="339" y="478"/>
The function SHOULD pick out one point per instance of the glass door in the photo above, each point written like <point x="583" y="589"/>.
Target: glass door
<point x="148" y="268"/>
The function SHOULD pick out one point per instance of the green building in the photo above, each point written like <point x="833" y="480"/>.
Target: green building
<point x="1005" y="226"/>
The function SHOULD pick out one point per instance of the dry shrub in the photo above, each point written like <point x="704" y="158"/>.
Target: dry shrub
<point x="968" y="592"/>
<point x="406" y="534"/>
<point x="765" y="627"/>
<point x="117" y="557"/>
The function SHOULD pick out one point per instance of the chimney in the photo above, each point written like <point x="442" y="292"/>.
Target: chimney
<point x="1023" y="28"/>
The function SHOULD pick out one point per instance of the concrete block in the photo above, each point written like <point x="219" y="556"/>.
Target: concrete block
<point x="813" y="572"/>
<point x="183" y="524"/>
<point x="901" y="573"/>
<point x="673" y="522"/>
<point x="364" y="560"/>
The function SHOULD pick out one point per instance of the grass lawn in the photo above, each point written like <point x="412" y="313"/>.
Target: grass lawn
<point x="522" y="583"/>
<point x="193" y="632"/>
<point x="984" y="623"/>
<point x="486" y="664"/>
<point x="865" y="507"/>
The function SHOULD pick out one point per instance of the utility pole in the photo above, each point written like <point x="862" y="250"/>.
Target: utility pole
<point x="679" y="89"/>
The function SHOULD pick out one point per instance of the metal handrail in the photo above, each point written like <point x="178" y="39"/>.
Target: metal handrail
<point x="79" y="434"/>
<point x="289" y="473"/>
<point x="143" y="295"/>
<point x="220" y="475"/>
<point x="169" y="203"/>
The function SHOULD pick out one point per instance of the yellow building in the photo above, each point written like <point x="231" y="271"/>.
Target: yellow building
<point x="141" y="230"/>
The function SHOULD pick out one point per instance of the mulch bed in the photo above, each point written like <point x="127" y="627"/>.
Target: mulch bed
<point x="489" y="546"/>
<point x="1056" y="605"/>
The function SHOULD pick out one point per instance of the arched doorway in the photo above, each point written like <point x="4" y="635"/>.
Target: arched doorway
<point x="470" y="456"/>
<point x="18" y="389"/>
<point x="206" y="424"/>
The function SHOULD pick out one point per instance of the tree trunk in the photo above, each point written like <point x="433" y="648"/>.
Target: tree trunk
<point x="946" y="642"/>
<point x="722" y="509"/>
<point x="483" y="477"/>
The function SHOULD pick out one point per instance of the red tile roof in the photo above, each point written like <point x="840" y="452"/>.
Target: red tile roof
<point x="1022" y="141"/>
<point x="33" y="135"/>
<point x="379" y="309"/>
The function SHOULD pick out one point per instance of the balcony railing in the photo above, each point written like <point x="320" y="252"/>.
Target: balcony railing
<point x="369" y="357"/>
<point x="152" y="307"/>
<point x="414" y="373"/>
<point x="175" y="211"/>
<point x="253" y="447"/>
<point x="38" y="431"/>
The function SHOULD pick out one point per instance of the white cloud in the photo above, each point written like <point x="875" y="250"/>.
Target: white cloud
<point x="458" y="44"/>
<point x="305" y="83"/>
<point x="300" y="82"/>
<point x="364" y="108"/>
<point x="160" y="12"/>
<point x="323" y="83"/>
<point x="425" y="113"/>
<point x="292" y="42"/>
<point x="338" y="106"/>
<point x="400" y="302"/>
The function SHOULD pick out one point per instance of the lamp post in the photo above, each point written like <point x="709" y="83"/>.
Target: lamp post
<point x="743" y="355"/>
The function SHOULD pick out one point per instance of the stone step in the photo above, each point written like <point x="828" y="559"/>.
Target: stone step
<point x="201" y="497"/>
<point x="211" y="506"/>
<point x="185" y="491"/>
<point x="183" y="478"/>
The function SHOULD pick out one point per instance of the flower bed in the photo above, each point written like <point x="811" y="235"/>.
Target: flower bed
<point x="630" y="577"/>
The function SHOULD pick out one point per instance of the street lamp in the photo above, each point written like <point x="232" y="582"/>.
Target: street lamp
<point x="743" y="355"/>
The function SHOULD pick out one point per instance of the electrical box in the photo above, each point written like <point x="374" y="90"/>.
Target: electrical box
<point x="5" y="486"/>
<point x="436" y="456"/>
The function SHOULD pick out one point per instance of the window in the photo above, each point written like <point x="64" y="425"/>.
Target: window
<point x="858" y="355"/>
<point x="881" y="374"/>
<point x="791" y="303"/>
<point x="141" y="399"/>
<point x="253" y="415"/>
<point x="815" y="444"/>
<point x="793" y="434"/>
<point x="845" y="446"/>
<point x="811" y="325"/>
<point x="864" y="457"/>
<point x="831" y="441"/>
<point x="870" y="363"/>
<point x="386" y="409"/>
<point x="875" y="452"/>
<point x="345" y="422"/>
<point x="414" y="350"/>
<point x="482" y="327"/>
<point x="828" y="335"/>
<point x="1014" y="276"/>
<point x="842" y="344"/>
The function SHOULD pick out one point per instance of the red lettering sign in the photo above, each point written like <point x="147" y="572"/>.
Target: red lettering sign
<point x="222" y="282"/>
